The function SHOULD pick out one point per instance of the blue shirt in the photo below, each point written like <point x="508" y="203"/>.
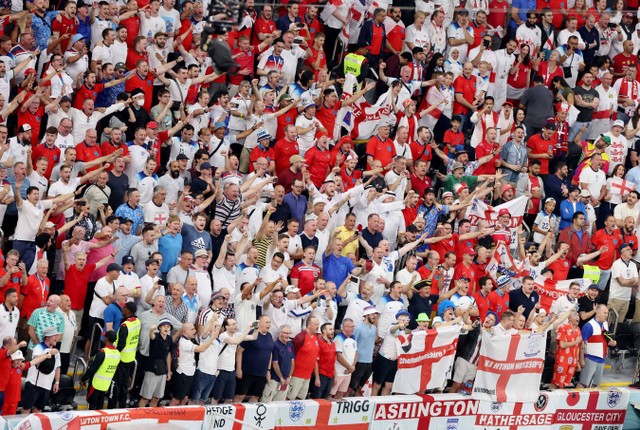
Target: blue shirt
<point x="41" y="30"/>
<point x="113" y="314"/>
<point x="523" y="6"/>
<point x="257" y="355"/>
<point x="336" y="269"/>
<point x="633" y="175"/>
<point x="84" y="28"/>
<point x="192" y="239"/>
<point x="567" y="211"/>
<point x="107" y="96"/>
<point x="365" y="335"/>
<point x="124" y="244"/>
<point x="283" y="354"/>
<point x="12" y="209"/>
<point x="431" y="215"/>
<point x="134" y="214"/>
<point x="298" y="207"/>
<point x="169" y="246"/>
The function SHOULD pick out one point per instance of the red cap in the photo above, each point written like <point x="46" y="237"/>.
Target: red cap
<point x="469" y="251"/>
<point x="30" y="71"/>
<point x="345" y="139"/>
<point x="152" y="124"/>
<point x="504" y="211"/>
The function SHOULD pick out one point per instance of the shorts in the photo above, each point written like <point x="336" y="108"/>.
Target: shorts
<point x="591" y="374"/>
<point x="153" y="386"/>
<point x="464" y="371"/>
<point x="251" y="385"/>
<point x="33" y="396"/>
<point x="225" y="385"/>
<point x="273" y="393"/>
<point x="202" y="386"/>
<point x="384" y="370"/>
<point x="181" y="387"/>
<point x="360" y="375"/>
<point x="298" y="388"/>
<point x="340" y="384"/>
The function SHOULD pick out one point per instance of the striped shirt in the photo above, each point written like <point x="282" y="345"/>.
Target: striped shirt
<point x="227" y="211"/>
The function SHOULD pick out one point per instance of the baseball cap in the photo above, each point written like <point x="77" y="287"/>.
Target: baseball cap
<point x="205" y="165"/>
<point x="152" y="125"/>
<point x="128" y="259"/>
<point x="182" y="157"/>
<point x="550" y="125"/>
<point x="605" y="138"/>
<point x="216" y="296"/>
<point x="113" y="267"/>
<point x="469" y="251"/>
<point x="412" y="229"/>
<point x="504" y="211"/>
<point x="585" y="193"/>
<point x="124" y="220"/>
<point x="219" y="124"/>
<point x="49" y="224"/>
<point x="623" y="246"/>
<point x="120" y="65"/>
<point x="429" y="191"/>
<point x="24" y="127"/>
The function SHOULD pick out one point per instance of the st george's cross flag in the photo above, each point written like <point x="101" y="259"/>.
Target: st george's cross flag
<point x="480" y="211"/>
<point x="510" y="368"/>
<point x="360" y="119"/>
<point x="550" y="290"/>
<point x="503" y="263"/>
<point x="425" y="359"/>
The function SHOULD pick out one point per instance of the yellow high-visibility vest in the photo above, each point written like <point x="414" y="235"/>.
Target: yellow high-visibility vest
<point x="102" y="379"/>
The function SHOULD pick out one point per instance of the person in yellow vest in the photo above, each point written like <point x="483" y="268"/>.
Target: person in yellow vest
<point x="127" y="343"/>
<point x="356" y="63"/>
<point x="101" y="372"/>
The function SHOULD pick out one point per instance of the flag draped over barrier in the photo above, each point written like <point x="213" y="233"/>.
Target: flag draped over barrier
<point x="550" y="290"/>
<point x="425" y="359"/>
<point x="510" y="368"/>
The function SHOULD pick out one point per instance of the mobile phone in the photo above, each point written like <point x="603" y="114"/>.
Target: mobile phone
<point x="275" y="181"/>
<point x="254" y="325"/>
<point x="486" y="43"/>
<point x="612" y="25"/>
<point x="354" y="279"/>
<point x="300" y="25"/>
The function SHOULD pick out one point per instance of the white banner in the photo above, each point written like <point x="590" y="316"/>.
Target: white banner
<point x="510" y="368"/>
<point x="425" y="359"/>
<point x="550" y="290"/>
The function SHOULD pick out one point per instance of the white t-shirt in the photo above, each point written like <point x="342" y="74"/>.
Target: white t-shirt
<point x="348" y="347"/>
<point x="594" y="180"/>
<point x="29" y="219"/>
<point x="308" y="139"/>
<point x="146" y="285"/>
<point x="59" y="188"/>
<point x="8" y="321"/>
<point x="246" y="310"/>
<point x="227" y="357"/>
<point x="37" y="378"/>
<point x="224" y="279"/>
<point x="186" y="357"/>
<point x="623" y="270"/>
<point x="103" y="289"/>
<point x="208" y="361"/>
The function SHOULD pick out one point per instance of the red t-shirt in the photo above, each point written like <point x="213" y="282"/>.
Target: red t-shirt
<point x="145" y="84"/>
<point x="453" y="138"/>
<point x="483" y="149"/>
<point x="498" y="13"/>
<point x="382" y="150"/>
<point x="13" y="282"/>
<point x="424" y="273"/>
<point x="498" y="303"/>
<point x="13" y="390"/>
<point x="535" y="201"/>
<point x="133" y="28"/>
<point x="420" y="185"/>
<point x="5" y="368"/>
<point x="87" y="93"/>
<point x="478" y="34"/>
<point x="262" y="25"/>
<point x="621" y="61"/>
<point x="88" y="153"/>
<point x="350" y="180"/>
<point x="445" y="246"/>
<point x="313" y="58"/>
<point x="327" y="117"/>
<point x="462" y="245"/>
<point x="64" y="26"/>
<point x="396" y="37"/>
<point x="560" y="269"/>
<point x="133" y="57"/>
<point x="283" y="150"/>
<point x="466" y="87"/>
<point x="51" y="154"/>
<point x="483" y="304"/>
<point x="34" y="120"/>
<point x="108" y="148"/>
<point x="185" y="25"/>
<point x="539" y="146"/>
<point x="284" y="120"/>
<point x="317" y="162"/>
<point x="258" y="152"/>
<point x="613" y="241"/>
<point x="78" y="281"/>
<point x="307" y="351"/>
<point x="559" y="5"/>
<point x="420" y="152"/>
<point x="327" y="358"/>
<point x="519" y="79"/>
<point x="306" y="275"/>
<point x="245" y="60"/>
<point x="35" y="295"/>
<point x="376" y="39"/>
<point x="460" y="271"/>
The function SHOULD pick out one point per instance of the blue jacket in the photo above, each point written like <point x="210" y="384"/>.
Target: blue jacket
<point x="567" y="211"/>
